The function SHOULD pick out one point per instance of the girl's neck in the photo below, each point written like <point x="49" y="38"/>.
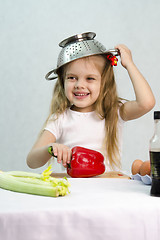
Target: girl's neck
<point x="82" y="110"/>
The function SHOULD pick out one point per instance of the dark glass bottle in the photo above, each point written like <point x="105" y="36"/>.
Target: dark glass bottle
<point x="155" y="156"/>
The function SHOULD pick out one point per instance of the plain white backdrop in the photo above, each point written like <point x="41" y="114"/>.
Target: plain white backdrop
<point x="30" y="31"/>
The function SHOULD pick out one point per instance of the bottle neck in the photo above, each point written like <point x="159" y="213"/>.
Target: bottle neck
<point x="157" y="127"/>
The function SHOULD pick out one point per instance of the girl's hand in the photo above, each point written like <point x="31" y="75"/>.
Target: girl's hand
<point x="63" y="153"/>
<point x="125" y="54"/>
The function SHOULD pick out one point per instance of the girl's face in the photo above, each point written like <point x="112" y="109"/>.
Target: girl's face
<point x="82" y="82"/>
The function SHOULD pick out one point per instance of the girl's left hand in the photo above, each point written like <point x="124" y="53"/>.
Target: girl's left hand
<point x="125" y="54"/>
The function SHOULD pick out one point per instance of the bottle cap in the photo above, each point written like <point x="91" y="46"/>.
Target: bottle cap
<point x="156" y="114"/>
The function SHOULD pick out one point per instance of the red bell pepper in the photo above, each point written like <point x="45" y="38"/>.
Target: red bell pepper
<point x="85" y="163"/>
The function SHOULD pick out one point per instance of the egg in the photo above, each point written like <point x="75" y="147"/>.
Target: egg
<point x="136" y="166"/>
<point x="145" y="168"/>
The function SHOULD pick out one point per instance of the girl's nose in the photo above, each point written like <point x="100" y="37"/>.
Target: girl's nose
<point x="80" y="83"/>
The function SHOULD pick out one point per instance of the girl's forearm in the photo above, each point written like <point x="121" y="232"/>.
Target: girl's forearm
<point x="38" y="157"/>
<point x="144" y="96"/>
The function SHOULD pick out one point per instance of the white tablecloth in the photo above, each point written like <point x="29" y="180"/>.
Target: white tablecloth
<point x="96" y="208"/>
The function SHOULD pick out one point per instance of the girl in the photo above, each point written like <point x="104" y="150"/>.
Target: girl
<point x="85" y="109"/>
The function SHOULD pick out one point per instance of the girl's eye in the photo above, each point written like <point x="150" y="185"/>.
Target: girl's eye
<point x="70" y="77"/>
<point x="90" y="78"/>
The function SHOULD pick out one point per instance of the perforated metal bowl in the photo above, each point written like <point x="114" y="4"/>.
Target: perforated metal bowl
<point x="78" y="46"/>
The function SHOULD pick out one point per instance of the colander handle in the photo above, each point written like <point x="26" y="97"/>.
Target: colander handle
<point x="47" y="77"/>
<point x="115" y="52"/>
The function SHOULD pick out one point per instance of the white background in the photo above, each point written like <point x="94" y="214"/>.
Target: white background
<point x="30" y="31"/>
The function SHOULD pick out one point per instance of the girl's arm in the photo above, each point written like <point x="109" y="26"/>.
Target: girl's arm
<point x="145" y="100"/>
<point x="39" y="156"/>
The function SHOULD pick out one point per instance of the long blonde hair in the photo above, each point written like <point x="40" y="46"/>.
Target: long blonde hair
<point x="106" y="107"/>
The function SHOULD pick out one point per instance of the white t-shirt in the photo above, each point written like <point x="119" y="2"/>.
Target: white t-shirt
<point x="74" y="128"/>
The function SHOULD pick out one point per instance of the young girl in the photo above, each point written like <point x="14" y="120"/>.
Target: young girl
<point x="85" y="109"/>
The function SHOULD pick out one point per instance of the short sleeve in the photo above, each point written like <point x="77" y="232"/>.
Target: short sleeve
<point x="54" y="126"/>
<point x="121" y="121"/>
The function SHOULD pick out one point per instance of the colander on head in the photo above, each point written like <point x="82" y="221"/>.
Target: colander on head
<point x="78" y="46"/>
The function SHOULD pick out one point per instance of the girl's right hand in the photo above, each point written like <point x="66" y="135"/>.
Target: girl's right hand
<point x="63" y="153"/>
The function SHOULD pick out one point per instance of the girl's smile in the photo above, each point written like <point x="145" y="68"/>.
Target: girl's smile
<point x="83" y="81"/>
<point x="81" y="95"/>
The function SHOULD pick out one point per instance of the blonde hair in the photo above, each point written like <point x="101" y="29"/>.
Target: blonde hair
<point x="106" y="107"/>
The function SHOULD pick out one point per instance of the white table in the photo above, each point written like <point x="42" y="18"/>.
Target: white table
<point x="96" y="208"/>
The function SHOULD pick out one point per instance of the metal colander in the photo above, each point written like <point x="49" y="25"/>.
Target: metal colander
<point x="78" y="46"/>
